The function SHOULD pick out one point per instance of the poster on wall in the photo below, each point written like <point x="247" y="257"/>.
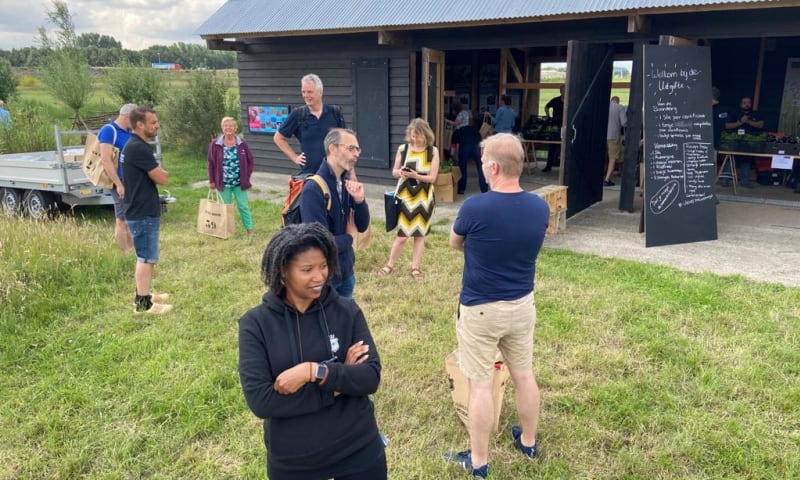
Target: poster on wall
<point x="679" y="202"/>
<point x="266" y="118"/>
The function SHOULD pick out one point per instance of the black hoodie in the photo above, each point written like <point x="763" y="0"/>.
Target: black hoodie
<point x="311" y="428"/>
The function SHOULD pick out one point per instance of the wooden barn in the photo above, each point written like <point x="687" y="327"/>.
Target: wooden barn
<point x="386" y="62"/>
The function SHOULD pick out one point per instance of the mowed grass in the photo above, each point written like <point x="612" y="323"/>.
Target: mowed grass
<point x="646" y="372"/>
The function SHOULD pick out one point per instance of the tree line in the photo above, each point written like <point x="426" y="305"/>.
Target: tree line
<point x="105" y="51"/>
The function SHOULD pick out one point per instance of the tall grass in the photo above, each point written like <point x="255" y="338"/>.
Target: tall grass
<point x="646" y="372"/>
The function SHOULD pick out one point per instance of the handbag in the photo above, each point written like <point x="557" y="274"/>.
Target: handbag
<point x="215" y="217"/>
<point x="92" y="163"/>
<point x="486" y="126"/>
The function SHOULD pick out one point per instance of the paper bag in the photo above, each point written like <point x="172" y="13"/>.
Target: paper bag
<point x="92" y="165"/>
<point x="486" y="127"/>
<point x="459" y="388"/>
<point x="363" y="239"/>
<point x="215" y="217"/>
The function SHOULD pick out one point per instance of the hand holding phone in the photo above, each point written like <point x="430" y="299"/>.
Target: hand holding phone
<point x="406" y="168"/>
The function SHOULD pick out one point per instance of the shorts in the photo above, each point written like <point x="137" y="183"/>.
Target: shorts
<point x="145" y="238"/>
<point x="119" y="207"/>
<point x="615" y="149"/>
<point x="483" y="329"/>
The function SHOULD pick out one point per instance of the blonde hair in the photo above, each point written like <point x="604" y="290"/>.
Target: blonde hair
<point x="506" y="150"/>
<point x="420" y="126"/>
<point x="225" y="119"/>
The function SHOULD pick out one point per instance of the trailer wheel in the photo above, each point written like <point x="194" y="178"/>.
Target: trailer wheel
<point x="39" y="205"/>
<point x="10" y="201"/>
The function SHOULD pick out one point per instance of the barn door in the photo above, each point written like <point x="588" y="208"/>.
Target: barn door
<point x="433" y="91"/>
<point x="587" y="95"/>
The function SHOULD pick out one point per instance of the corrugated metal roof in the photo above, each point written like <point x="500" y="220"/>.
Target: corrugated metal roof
<point x="248" y="17"/>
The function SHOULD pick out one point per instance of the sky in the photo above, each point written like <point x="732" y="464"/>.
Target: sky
<point x="138" y="24"/>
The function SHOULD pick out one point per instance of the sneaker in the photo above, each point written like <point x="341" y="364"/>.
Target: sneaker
<point x="608" y="183"/>
<point x="516" y="435"/>
<point x="156" y="308"/>
<point x="464" y="460"/>
<point x="159" y="297"/>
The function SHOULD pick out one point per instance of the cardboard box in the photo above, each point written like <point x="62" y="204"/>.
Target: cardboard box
<point x="72" y="155"/>
<point x="459" y="388"/>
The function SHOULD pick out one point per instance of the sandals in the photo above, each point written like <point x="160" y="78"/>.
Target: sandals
<point x="385" y="270"/>
<point x="416" y="273"/>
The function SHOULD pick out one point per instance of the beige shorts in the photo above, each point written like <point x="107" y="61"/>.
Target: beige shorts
<point x="615" y="149"/>
<point x="483" y="329"/>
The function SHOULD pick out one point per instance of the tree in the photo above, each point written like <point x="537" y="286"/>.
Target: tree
<point x="65" y="71"/>
<point x="191" y="114"/>
<point x="8" y="80"/>
<point x="139" y="85"/>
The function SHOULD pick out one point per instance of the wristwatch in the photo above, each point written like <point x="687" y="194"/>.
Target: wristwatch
<point x="322" y="369"/>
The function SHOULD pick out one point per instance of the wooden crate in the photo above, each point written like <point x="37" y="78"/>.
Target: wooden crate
<point x="558" y="222"/>
<point x="554" y="195"/>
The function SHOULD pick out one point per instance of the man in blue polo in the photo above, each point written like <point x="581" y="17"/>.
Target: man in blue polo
<point x="309" y="123"/>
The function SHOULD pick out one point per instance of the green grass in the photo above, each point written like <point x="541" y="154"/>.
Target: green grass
<point x="646" y="371"/>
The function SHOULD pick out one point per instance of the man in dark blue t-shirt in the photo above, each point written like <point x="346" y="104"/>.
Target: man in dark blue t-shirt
<point x="112" y="137"/>
<point x="500" y="233"/>
<point x="309" y="123"/>
<point x="140" y="175"/>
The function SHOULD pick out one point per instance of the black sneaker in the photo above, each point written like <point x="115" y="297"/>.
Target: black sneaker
<point x="464" y="460"/>
<point x="608" y="183"/>
<point x="516" y="435"/>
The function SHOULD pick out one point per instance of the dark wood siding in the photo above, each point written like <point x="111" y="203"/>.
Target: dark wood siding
<point x="270" y="71"/>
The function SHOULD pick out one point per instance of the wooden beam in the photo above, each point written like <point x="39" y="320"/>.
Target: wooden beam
<point x="397" y="38"/>
<point x="639" y="23"/>
<point x="513" y="64"/>
<point x="226" y="45"/>
<point x="759" y="73"/>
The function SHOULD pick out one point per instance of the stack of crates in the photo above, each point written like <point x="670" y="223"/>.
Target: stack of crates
<point x="556" y="198"/>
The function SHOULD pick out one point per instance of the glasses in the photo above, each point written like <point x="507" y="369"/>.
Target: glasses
<point x="350" y="148"/>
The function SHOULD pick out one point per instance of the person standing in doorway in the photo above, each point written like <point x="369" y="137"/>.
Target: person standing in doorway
<point x="113" y="137"/>
<point x="497" y="308"/>
<point x="503" y="120"/>
<point x="309" y="124"/>
<point x="747" y="122"/>
<point x="617" y="121"/>
<point x="554" y="109"/>
<point x="140" y="175"/>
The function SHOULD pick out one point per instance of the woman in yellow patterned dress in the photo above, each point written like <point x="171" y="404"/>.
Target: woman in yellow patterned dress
<point x="416" y="166"/>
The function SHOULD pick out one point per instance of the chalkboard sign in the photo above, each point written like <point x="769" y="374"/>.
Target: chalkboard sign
<point x="680" y="168"/>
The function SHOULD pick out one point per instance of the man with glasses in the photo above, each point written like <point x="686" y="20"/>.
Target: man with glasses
<point x="348" y="211"/>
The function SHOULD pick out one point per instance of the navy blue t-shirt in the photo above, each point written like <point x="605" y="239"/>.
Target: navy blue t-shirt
<point x="311" y="131"/>
<point x="503" y="235"/>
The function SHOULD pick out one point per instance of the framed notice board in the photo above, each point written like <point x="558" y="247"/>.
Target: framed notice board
<point x="680" y="164"/>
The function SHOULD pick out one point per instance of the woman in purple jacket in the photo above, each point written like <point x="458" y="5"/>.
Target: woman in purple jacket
<point x="230" y="164"/>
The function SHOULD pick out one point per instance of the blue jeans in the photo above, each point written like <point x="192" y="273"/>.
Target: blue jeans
<point x="345" y="286"/>
<point x="465" y="153"/>
<point x="145" y="238"/>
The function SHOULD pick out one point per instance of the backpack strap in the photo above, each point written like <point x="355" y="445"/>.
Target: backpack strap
<point x="405" y="154"/>
<point x="324" y="187"/>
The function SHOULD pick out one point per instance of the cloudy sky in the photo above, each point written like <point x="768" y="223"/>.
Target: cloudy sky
<point x="138" y="24"/>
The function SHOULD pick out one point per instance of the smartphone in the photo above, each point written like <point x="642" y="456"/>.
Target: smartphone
<point x="406" y="168"/>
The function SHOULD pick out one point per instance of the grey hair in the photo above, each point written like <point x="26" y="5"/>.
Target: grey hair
<point x="289" y="242"/>
<point x="334" y="136"/>
<point x="312" y="78"/>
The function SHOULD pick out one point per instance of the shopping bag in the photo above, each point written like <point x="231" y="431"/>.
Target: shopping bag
<point x="92" y="165"/>
<point x="391" y="206"/>
<point x="486" y="127"/>
<point x="215" y="217"/>
<point x="459" y="387"/>
<point x="363" y="239"/>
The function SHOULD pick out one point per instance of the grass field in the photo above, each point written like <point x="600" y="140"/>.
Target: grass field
<point x="646" y="372"/>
